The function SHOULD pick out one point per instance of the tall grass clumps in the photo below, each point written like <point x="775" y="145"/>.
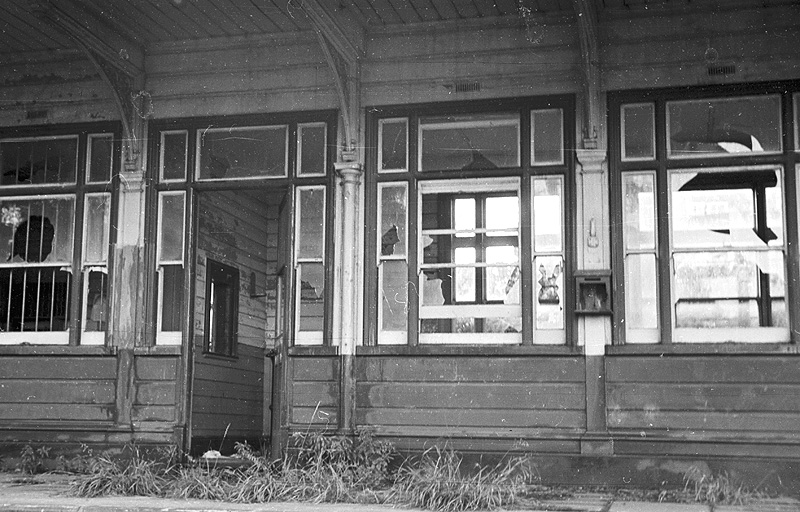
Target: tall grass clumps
<point x="719" y="489"/>
<point x="439" y="482"/>
<point x="133" y="473"/>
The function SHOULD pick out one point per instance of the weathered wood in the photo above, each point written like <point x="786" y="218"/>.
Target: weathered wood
<point x="57" y="411"/>
<point x="314" y="369"/>
<point x="156" y="393"/>
<point x="153" y="413"/>
<point x="740" y="450"/>
<point x="325" y="394"/>
<point x="472" y="418"/>
<point x="475" y="369"/>
<point x="471" y="395"/>
<point x="57" y="391"/>
<point x="315" y="416"/>
<point x="709" y="369"/>
<point x="702" y="422"/>
<point x="157" y="368"/>
<point x="722" y="397"/>
<point x="81" y="368"/>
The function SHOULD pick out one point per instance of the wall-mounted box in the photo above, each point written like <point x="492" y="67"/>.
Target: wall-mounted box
<point x="593" y="292"/>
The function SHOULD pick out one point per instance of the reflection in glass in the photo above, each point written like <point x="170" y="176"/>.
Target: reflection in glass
<point x="37" y="230"/>
<point x="36" y="162"/>
<point x="312" y="149"/>
<point x="311" y="314"/>
<point x="639" y="212"/>
<point x="95" y="224"/>
<point x="243" y="152"/>
<point x="96" y="301"/>
<point x="487" y="141"/>
<point x="394" y="296"/>
<point x="547" y="136"/>
<point x="172" y="228"/>
<point x="311" y="229"/>
<point x="641" y="301"/>
<point x="724" y="126"/>
<point x="393" y="141"/>
<point x="101" y="150"/>
<point x="638" y="128"/>
<point x="173" y="163"/>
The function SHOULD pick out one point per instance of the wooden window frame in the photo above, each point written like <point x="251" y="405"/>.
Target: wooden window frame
<point x="375" y="177"/>
<point x="74" y="336"/>
<point x="662" y="165"/>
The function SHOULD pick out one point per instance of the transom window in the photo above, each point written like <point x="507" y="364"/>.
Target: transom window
<point x="704" y="216"/>
<point x="54" y="238"/>
<point x="470" y="234"/>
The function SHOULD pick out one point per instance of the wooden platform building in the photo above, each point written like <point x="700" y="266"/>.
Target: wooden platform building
<point x="559" y="227"/>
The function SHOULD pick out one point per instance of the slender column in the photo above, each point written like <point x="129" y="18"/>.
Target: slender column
<point x="349" y="171"/>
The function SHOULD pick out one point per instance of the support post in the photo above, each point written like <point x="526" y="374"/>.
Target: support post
<point x="349" y="172"/>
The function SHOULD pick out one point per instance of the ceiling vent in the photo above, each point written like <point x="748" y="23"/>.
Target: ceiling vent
<point x="36" y="114"/>
<point x="467" y="87"/>
<point x="721" y="69"/>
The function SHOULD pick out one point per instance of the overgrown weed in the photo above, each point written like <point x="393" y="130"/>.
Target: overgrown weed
<point x="32" y="459"/>
<point x="134" y="473"/>
<point x="719" y="488"/>
<point x="438" y="482"/>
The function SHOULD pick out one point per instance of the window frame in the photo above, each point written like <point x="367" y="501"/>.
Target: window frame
<point x="662" y="166"/>
<point x="74" y="336"/>
<point x="192" y="185"/>
<point x="377" y="178"/>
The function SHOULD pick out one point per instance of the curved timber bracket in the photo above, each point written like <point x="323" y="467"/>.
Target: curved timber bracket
<point x="342" y="42"/>
<point x="586" y="12"/>
<point x="119" y="62"/>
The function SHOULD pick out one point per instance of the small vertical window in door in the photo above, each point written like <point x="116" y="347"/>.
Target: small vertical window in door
<point x="222" y="307"/>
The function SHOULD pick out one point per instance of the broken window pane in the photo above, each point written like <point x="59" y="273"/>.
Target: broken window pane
<point x="96" y="301"/>
<point x="724" y="126"/>
<point x="549" y="290"/>
<point x="34" y="299"/>
<point x="95" y="234"/>
<point x="311" y="313"/>
<point x="393" y="219"/>
<point x="37" y="230"/>
<point x="483" y="141"/>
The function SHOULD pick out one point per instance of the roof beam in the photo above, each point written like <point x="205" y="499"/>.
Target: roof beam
<point x="586" y="12"/>
<point x="118" y="60"/>
<point x="342" y="42"/>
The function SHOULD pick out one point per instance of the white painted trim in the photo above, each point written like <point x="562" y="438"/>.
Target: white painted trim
<point x="549" y="336"/>
<point x="308" y="338"/>
<point x="642" y="336"/>
<point x="34" y="338"/>
<point x="93" y="338"/>
<point x="392" y="337"/>
<point x="169" y="337"/>
<point x="471" y="338"/>
<point x="732" y="335"/>
<point x="471" y="311"/>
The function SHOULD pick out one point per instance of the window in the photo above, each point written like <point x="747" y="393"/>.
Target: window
<point x="704" y="235"/>
<point x="222" y="309"/>
<point x="469" y="241"/>
<point x="56" y="226"/>
<point x="268" y="176"/>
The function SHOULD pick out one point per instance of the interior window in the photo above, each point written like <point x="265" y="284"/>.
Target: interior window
<point x="222" y="306"/>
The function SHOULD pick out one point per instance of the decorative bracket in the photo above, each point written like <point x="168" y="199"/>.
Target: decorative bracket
<point x="342" y="42"/>
<point x="118" y="60"/>
<point x="586" y="12"/>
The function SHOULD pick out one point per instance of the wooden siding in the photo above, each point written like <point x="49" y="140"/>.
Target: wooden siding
<point x="314" y="393"/>
<point x="156" y="403"/>
<point x="720" y="404"/>
<point x="522" y="400"/>
<point x="238" y="228"/>
<point x="46" y="389"/>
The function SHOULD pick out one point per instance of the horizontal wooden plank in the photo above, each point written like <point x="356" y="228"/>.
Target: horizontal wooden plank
<point x="472" y="395"/>
<point x="705" y="397"/>
<point x="66" y="412"/>
<point x="53" y="367"/>
<point x="470" y="443"/>
<point x="156" y="393"/>
<point x="157" y="368"/>
<point x="219" y="425"/>
<point x="211" y="388"/>
<point x="699" y="422"/>
<point x="57" y="391"/>
<point x="712" y="369"/>
<point x="498" y="418"/>
<point x="154" y="413"/>
<point x="223" y="374"/>
<point x="470" y="369"/>
<point x="242" y="364"/>
<point x="314" y="368"/>
<point x="507" y="434"/>
<point x="314" y="416"/>
<point x="311" y="394"/>
<point x="710" y="449"/>
<point x="241" y="406"/>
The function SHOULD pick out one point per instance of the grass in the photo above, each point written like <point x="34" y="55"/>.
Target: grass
<point x="720" y="488"/>
<point x="316" y="468"/>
